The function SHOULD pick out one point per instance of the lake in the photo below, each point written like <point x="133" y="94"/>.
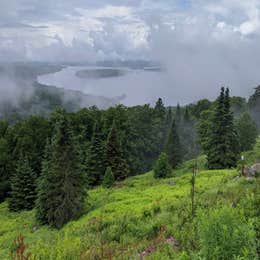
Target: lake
<point x="134" y="86"/>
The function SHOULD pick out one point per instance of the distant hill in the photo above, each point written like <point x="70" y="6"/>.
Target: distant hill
<point x="22" y="95"/>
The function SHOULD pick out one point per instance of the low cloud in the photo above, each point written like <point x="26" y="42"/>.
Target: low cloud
<point x="203" y="44"/>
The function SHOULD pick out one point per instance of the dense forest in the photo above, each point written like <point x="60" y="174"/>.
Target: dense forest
<point x="50" y="162"/>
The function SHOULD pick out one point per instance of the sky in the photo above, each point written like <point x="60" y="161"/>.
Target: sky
<point x="201" y="43"/>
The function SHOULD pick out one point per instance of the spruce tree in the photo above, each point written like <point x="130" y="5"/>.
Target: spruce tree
<point x="44" y="187"/>
<point x="162" y="168"/>
<point x="173" y="147"/>
<point x="61" y="188"/>
<point x="160" y="109"/>
<point x="231" y="137"/>
<point x="95" y="165"/>
<point x="159" y="118"/>
<point x="109" y="178"/>
<point x="222" y="148"/>
<point x="114" y="155"/>
<point x="23" y="186"/>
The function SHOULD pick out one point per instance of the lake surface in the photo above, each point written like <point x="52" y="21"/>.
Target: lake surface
<point x="134" y="86"/>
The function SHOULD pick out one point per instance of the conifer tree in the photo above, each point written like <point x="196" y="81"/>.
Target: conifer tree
<point x="222" y="147"/>
<point x="159" y="118"/>
<point x="95" y="165"/>
<point x="173" y="147"/>
<point x="23" y="186"/>
<point x="61" y="189"/>
<point x="114" y="155"/>
<point x="44" y="187"/>
<point x="109" y="178"/>
<point x="162" y="168"/>
<point x="160" y="109"/>
<point x="231" y="137"/>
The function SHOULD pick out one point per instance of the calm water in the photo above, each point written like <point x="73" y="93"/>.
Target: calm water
<point x="137" y="86"/>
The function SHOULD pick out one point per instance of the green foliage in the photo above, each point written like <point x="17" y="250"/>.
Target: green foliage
<point x="123" y="230"/>
<point x="95" y="164"/>
<point x="162" y="168"/>
<point x="30" y="138"/>
<point x="247" y="131"/>
<point x="61" y="187"/>
<point x="222" y="149"/>
<point x="173" y="147"/>
<point x="109" y="178"/>
<point x="254" y="105"/>
<point x="204" y="127"/>
<point x="160" y="109"/>
<point x="23" y="187"/>
<point x="199" y="107"/>
<point x="225" y="233"/>
<point x="252" y="157"/>
<point x="114" y="155"/>
<point x="5" y="168"/>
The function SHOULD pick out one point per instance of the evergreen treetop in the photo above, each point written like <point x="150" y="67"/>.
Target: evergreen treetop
<point x="62" y="185"/>
<point x="23" y="186"/>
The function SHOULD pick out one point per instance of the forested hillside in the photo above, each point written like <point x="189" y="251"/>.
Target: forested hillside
<point x="79" y="167"/>
<point x="22" y="95"/>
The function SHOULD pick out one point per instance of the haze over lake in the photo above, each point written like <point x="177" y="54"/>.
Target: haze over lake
<point x="135" y="87"/>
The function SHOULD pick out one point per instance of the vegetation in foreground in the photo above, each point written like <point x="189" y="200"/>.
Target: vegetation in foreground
<point x="189" y="218"/>
<point x="150" y="217"/>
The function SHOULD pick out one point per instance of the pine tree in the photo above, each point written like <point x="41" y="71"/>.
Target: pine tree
<point x="61" y="189"/>
<point x="159" y="108"/>
<point x="95" y="165"/>
<point x="109" y="178"/>
<point x="114" y="155"/>
<point x="23" y="186"/>
<point x="173" y="147"/>
<point x="162" y="168"/>
<point x="222" y="144"/>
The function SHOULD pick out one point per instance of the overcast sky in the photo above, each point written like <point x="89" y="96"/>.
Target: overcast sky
<point x="200" y="42"/>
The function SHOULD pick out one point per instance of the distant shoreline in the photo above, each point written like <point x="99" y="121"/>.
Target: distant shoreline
<point x="100" y="73"/>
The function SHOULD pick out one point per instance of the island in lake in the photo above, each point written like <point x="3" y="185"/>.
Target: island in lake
<point x="100" y="73"/>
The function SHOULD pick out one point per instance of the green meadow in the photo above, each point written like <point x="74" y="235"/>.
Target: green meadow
<point x="140" y="214"/>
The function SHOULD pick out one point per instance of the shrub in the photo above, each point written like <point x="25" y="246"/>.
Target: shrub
<point x="225" y="234"/>
<point x="162" y="168"/>
<point x="109" y="178"/>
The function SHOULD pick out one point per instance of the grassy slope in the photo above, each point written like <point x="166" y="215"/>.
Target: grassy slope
<point x="131" y="213"/>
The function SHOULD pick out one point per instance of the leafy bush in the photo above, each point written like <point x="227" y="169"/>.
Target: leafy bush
<point x="162" y="168"/>
<point x="224" y="233"/>
<point x="109" y="178"/>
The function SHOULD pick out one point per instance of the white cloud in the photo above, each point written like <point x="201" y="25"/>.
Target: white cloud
<point x="108" y="11"/>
